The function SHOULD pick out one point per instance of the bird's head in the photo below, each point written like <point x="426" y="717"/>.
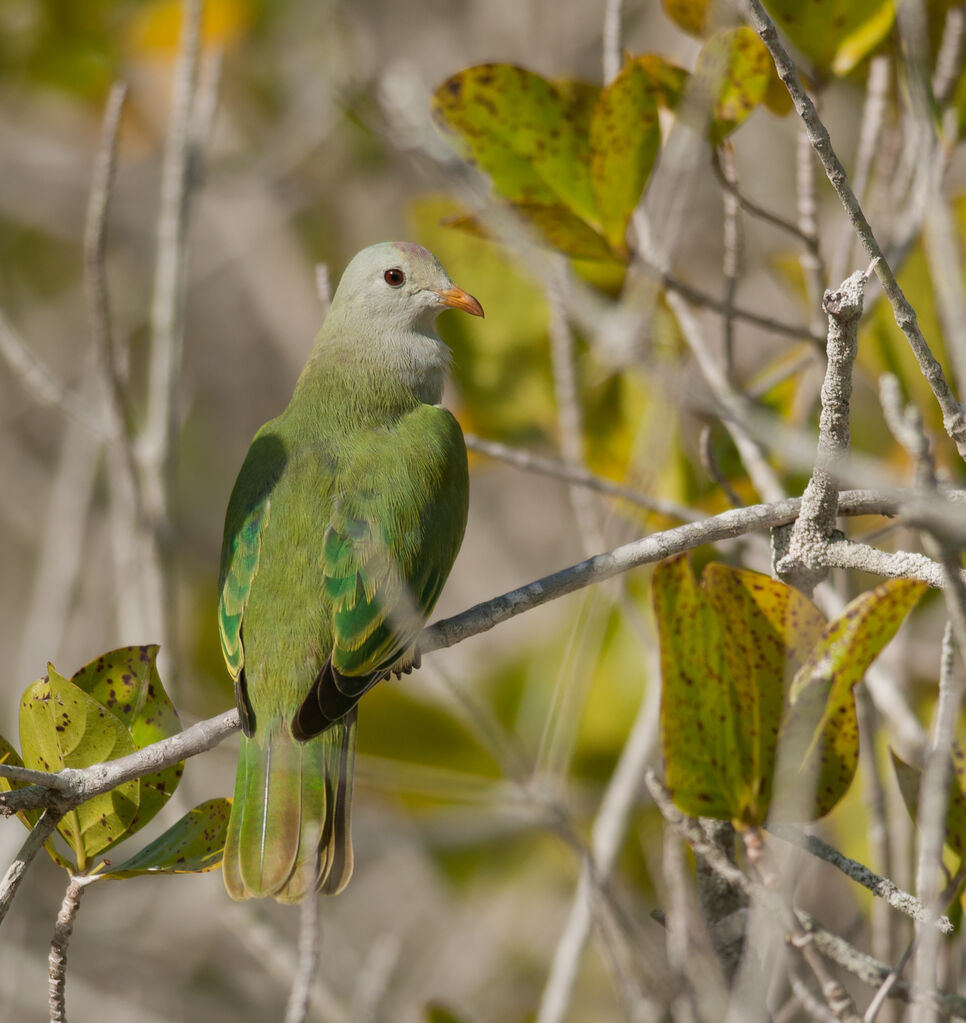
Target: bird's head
<point x="400" y="285"/>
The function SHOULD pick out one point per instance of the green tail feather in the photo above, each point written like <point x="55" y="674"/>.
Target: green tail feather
<point x="289" y="828"/>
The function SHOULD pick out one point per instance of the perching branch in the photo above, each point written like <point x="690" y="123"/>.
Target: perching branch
<point x="83" y="783"/>
<point x="954" y="417"/>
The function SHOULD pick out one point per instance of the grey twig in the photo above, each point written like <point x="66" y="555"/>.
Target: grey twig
<point x="873" y="790"/>
<point x="39" y="382"/>
<point x="731" y="262"/>
<point x="753" y="209"/>
<point x="766" y="323"/>
<point x="879" y="999"/>
<point x="34" y="842"/>
<point x="954" y="418"/>
<point x="609" y="829"/>
<point x="556" y="469"/>
<point x="57" y="959"/>
<point x="734" y="405"/>
<point x="570" y="420"/>
<point x="299" y="999"/>
<point x="95" y="251"/>
<point x="811" y="259"/>
<point x="890" y="893"/>
<point x="870" y="130"/>
<point x="611" y="40"/>
<point x="157" y="443"/>
<point x="814" y="526"/>
<point x="934" y="796"/>
<point x="867" y="969"/>
<point x="950" y="56"/>
<point x="710" y="465"/>
<point x="691" y="831"/>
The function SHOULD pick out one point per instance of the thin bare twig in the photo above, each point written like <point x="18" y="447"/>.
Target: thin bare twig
<point x="57" y="959"/>
<point x="157" y="445"/>
<point x="608" y="832"/>
<point x="554" y="468"/>
<point x="34" y="842"/>
<point x="767" y="323"/>
<point x="870" y="130"/>
<point x="95" y="270"/>
<point x="811" y="259"/>
<point x="731" y="262"/>
<point x="734" y="405"/>
<point x="753" y="209"/>
<point x="611" y="40"/>
<point x="39" y="382"/>
<point x="297" y="1010"/>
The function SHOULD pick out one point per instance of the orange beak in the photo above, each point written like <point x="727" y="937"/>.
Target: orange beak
<point x="457" y="298"/>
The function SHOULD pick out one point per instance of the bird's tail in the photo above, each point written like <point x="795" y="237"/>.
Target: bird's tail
<point x="289" y="829"/>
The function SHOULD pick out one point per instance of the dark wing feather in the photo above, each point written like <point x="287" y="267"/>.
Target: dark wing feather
<point x="393" y="537"/>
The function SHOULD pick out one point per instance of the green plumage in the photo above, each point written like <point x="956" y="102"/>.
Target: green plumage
<point x="343" y="525"/>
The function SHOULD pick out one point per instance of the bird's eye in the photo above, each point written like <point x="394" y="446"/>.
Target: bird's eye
<point x="395" y="278"/>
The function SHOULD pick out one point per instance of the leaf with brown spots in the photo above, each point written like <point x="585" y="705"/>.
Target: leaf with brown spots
<point x="625" y="138"/>
<point x="126" y="681"/>
<point x="834" y="35"/>
<point x="690" y="15"/>
<point x="767" y="629"/>
<point x="191" y="845"/>
<point x="698" y="716"/>
<point x="910" y="779"/>
<point x="820" y="733"/>
<point x="62" y="726"/>
<point x="734" y="69"/>
<point x="528" y="134"/>
<point x="8" y="755"/>
<point x="557" y="227"/>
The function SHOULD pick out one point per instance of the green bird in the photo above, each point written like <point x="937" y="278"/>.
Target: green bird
<point x="343" y="525"/>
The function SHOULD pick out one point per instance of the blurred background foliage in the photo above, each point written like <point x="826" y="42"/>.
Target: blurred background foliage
<point x="322" y="143"/>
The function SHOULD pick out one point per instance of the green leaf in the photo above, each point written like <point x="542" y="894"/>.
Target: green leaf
<point x="528" y="134"/>
<point x="126" y="681"/>
<point x="668" y="81"/>
<point x="625" y="137"/>
<point x="689" y="15"/>
<point x="698" y="732"/>
<point x="192" y="845"/>
<point x="8" y="755"/>
<point x="910" y="778"/>
<point x="61" y="726"/>
<point x="834" y="34"/>
<point x="726" y="649"/>
<point x="735" y="68"/>
<point x="556" y="226"/>
<point x="821" y="727"/>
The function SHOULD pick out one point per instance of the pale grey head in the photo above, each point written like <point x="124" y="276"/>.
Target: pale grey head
<point x="384" y="310"/>
<point x="399" y="285"/>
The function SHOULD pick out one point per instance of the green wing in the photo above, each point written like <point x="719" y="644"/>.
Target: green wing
<point x="393" y="536"/>
<point x="245" y="524"/>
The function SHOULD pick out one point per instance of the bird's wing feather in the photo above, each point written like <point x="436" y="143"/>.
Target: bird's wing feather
<point x="245" y="525"/>
<point x="393" y="535"/>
